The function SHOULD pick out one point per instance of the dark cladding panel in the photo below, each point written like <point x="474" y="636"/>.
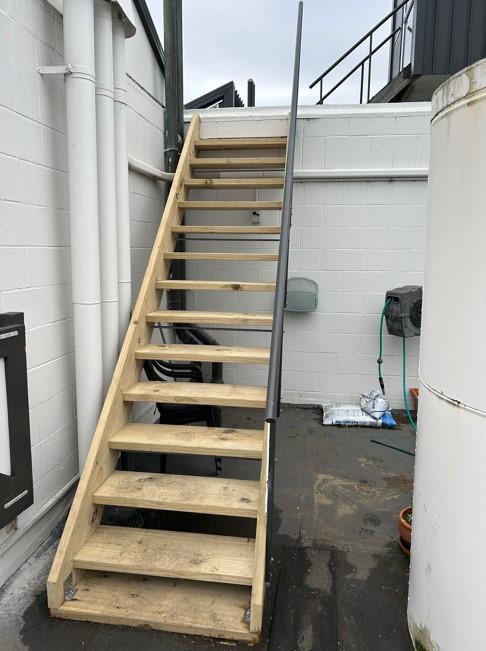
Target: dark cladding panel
<point x="449" y="35"/>
<point x="477" y="37"/>
<point x="424" y="36"/>
<point x="461" y="35"/>
<point x="444" y="15"/>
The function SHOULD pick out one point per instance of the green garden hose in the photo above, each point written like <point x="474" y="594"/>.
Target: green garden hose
<point x="404" y="366"/>
<point x="380" y="356"/>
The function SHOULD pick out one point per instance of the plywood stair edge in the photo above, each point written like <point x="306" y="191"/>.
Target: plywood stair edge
<point x="84" y="515"/>
<point x="114" y="581"/>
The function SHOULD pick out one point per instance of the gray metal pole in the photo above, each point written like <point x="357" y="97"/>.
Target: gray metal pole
<point x="174" y="117"/>
<point x="250" y="101"/>
<point x="174" y="101"/>
<point x="274" y="371"/>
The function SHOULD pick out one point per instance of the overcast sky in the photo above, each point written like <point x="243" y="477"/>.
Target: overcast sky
<point x="238" y="39"/>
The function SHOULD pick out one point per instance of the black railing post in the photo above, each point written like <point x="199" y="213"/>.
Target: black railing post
<point x="369" y="67"/>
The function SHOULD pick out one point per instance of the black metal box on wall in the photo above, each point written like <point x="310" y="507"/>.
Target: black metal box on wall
<point x="404" y="313"/>
<point x="448" y="35"/>
<point x="16" y="487"/>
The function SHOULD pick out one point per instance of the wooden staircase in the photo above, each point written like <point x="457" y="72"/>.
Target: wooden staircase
<point x="197" y="583"/>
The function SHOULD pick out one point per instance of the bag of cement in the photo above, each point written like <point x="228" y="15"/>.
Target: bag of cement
<point x="349" y="415"/>
<point x="354" y="416"/>
<point x="374" y="403"/>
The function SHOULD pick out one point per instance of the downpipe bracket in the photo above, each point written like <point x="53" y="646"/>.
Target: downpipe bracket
<point x="55" y="70"/>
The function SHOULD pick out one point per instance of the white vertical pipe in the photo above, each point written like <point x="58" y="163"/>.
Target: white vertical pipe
<point x="121" y="166"/>
<point x="105" y="128"/>
<point x="83" y="209"/>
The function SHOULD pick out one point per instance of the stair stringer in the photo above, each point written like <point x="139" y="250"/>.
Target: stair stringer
<point x="258" y="584"/>
<point x="84" y="516"/>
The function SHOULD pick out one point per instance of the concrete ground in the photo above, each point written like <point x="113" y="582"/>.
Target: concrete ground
<point x="339" y="580"/>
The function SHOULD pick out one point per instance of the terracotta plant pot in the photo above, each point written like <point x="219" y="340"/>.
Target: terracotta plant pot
<point x="405" y="530"/>
<point x="415" y="397"/>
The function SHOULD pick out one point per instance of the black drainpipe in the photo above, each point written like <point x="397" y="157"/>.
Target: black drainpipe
<point x="174" y="120"/>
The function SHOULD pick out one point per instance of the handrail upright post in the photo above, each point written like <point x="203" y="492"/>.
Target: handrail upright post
<point x="362" y="84"/>
<point x="369" y="67"/>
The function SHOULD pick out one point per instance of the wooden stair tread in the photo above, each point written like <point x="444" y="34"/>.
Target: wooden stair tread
<point x="220" y="395"/>
<point x="189" y="607"/>
<point x="213" y="495"/>
<point x="248" y="257"/>
<point x="240" y="143"/>
<point x="216" y="285"/>
<point x="228" y="184"/>
<point x="189" y="439"/>
<point x="226" y="318"/>
<point x="192" y="584"/>
<point x="228" y="230"/>
<point x="201" y="353"/>
<point x="180" y="555"/>
<point x="230" y="205"/>
<point x="258" y="162"/>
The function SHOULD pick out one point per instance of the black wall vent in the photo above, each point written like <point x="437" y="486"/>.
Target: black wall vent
<point x="16" y="489"/>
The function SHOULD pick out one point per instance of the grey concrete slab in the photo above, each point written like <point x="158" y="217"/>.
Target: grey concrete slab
<point x="339" y="581"/>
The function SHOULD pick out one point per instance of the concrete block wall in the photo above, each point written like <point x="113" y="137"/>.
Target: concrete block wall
<point x="355" y="238"/>
<point x="34" y="236"/>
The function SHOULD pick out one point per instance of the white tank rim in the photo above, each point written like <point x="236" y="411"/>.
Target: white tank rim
<point x="465" y="85"/>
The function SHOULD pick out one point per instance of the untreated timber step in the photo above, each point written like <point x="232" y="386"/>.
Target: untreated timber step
<point x="189" y="607"/>
<point x="240" y="143"/>
<point x="180" y="555"/>
<point x="230" y="205"/>
<point x="229" y="230"/>
<point x="258" y="162"/>
<point x="213" y="495"/>
<point x="189" y="439"/>
<point x="216" y="285"/>
<point x="202" y="353"/>
<point x="231" y="184"/>
<point x="220" y="395"/>
<point x="223" y="318"/>
<point x="243" y="257"/>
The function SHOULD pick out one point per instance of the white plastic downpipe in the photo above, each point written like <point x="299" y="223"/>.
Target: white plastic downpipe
<point x="105" y="128"/>
<point x="121" y="166"/>
<point x="83" y="209"/>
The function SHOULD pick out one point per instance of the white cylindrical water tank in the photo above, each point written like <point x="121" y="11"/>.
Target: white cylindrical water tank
<point x="447" y="599"/>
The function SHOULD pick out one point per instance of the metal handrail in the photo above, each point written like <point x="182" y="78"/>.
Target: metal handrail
<point x="372" y="50"/>
<point x="275" y="365"/>
<point x="360" y="65"/>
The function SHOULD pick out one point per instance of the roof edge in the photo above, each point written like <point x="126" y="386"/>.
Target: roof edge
<point x="151" y="32"/>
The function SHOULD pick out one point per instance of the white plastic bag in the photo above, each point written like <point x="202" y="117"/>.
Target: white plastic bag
<point x="374" y="403"/>
<point x="347" y="415"/>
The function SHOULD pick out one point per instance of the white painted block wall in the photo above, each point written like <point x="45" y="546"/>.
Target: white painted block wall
<point x="34" y="233"/>
<point x="356" y="239"/>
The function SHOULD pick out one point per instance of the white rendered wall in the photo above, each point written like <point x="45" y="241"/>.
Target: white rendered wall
<point x="34" y="237"/>
<point x="355" y="238"/>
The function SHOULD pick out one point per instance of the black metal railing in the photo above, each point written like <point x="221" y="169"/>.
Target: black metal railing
<point x="398" y="52"/>
<point x="275" y="366"/>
